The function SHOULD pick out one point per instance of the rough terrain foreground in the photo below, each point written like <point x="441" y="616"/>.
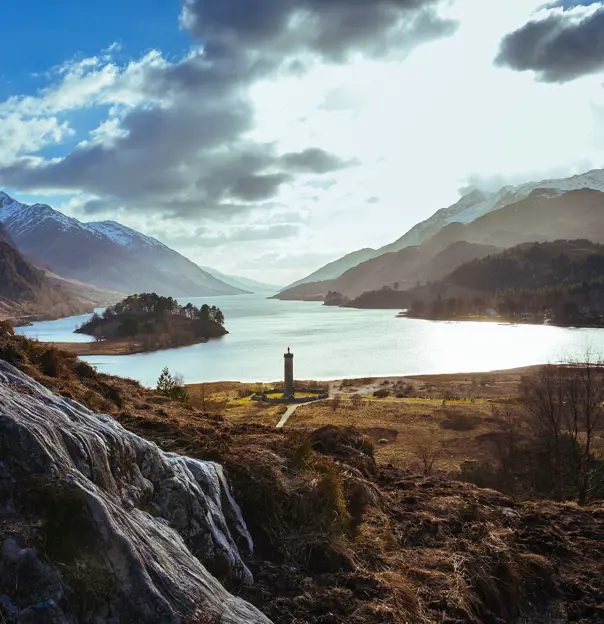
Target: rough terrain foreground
<point x="123" y="532"/>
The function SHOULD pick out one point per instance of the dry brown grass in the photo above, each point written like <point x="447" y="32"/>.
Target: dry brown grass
<point x="339" y="539"/>
<point x="395" y="427"/>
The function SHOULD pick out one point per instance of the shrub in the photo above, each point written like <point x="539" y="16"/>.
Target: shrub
<point x="50" y="362"/>
<point x="6" y="329"/>
<point x="460" y="421"/>
<point x="381" y="394"/>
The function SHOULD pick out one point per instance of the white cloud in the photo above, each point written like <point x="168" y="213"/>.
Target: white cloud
<point x="22" y="136"/>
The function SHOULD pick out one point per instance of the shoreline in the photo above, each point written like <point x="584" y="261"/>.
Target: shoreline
<point x="113" y="347"/>
<point x="369" y="380"/>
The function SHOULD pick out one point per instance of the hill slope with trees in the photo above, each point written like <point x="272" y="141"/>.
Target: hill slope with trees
<point x="543" y="215"/>
<point x="561" y="282"/>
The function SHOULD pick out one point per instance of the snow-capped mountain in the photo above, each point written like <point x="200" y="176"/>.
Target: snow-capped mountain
<point x="478" y="203"/>
<point x="122" y="235"/>
<point x="105" y="254"/>
<point x="469" y="208"/>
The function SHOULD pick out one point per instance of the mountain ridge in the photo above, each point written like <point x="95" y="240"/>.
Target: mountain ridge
<point x="469" y="207"/>
<point x="27" y="291"/>
<point x="104" y="254"/>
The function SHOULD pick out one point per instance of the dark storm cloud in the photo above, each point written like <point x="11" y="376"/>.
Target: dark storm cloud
<point x="184" y="152"/>
<point x="331" y="28"/>
<point x="560" y="47"/>
<point x="257" y="187"/>
<point x="314" y="160"/>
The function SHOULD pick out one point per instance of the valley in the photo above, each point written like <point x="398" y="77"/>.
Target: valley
<point x="302" y="312"/>
<point x="476" y="227"/>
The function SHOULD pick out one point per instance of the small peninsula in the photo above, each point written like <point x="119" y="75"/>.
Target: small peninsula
<point x="150" y="322"/>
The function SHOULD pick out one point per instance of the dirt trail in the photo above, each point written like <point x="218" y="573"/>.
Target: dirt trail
<point x="290" y="410"/>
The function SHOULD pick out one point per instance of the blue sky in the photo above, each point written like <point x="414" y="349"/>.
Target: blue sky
<point x="304" y="130"/>
<point x="40" y="34"/>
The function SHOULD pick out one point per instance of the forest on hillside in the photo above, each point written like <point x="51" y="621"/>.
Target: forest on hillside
<point x="155" y="321"/>
<point x="560" y="282"/>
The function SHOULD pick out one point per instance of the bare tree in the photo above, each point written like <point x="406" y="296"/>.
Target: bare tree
<point x="356" y="400"/>
<point x="567" y="401"/>
<point x="427" y="450"/>
<point x="584" y="397"/>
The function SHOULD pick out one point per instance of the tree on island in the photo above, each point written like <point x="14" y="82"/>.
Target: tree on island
<point x="155" y="322"/>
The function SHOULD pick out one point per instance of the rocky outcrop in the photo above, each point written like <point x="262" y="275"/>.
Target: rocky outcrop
<point x="99" y="525"/>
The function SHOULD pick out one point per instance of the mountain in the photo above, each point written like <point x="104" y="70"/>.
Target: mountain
<point x="28" y="291"/>
<point x="544" y="215"/>
<point x="561" y="282"/>
<point x="476" y="204"/>
<point x="244" y="283"/>
<point x="105" y="254"/>
<point x="20" y="282"/>
<point x="399" y="270"/>
<point x="337" y="267"/>
<point x="469" y="208"/>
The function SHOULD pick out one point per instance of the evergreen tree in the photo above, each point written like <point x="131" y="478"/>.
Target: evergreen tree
<point x="171" y="386"/>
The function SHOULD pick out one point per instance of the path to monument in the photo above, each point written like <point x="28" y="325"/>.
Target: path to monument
<point x="290" y="410"/>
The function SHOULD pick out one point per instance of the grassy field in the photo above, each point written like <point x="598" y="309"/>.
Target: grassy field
<point x="409" y="426"/>
<point x="405" y="430"/>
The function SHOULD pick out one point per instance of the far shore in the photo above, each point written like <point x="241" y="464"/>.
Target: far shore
<point x="113" y="347"/>
<point x="346" y="385"/>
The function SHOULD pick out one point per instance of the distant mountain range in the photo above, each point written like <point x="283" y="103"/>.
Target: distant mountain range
<point x="469" y="208"/>
<point x="106" y="255"/>
<point x="243" y="283"/>
<point x="536" y="211"/>
<point x="338" y="267"/>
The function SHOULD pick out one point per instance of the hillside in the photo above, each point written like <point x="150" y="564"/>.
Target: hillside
<point x="26" y="292"/>
<point x="469" y="208"/>
<point x="560" y="282"/>
<point x="107" y="255"/>
<point x="545" y="215"/>
<point x="337" y="267"/>
<point x="400" y="270"/>
<point x="220" y="521"/>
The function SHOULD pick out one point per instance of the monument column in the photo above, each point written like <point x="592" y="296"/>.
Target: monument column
<point x="288" y="388"/>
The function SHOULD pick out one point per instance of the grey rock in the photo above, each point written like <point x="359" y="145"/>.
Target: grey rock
<point x="136" y="533"/>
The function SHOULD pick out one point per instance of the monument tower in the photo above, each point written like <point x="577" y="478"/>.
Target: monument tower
<point x="288" y="388"/>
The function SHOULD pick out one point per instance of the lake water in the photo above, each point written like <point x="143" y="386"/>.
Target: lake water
<point x="332" y="343"/>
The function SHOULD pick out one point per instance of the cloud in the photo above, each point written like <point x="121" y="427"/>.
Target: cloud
<point x="314" y="160"/>
<point x="563" y="45"/>
<point x="206" y="237"/>
<point x="177" y="136"/>
<point x="331" y="29"/>
<point x="21" y="136"/>
<point x="493" y="183"/>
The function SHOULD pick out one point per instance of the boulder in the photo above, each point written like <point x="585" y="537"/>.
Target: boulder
<point x="100" y="525"/>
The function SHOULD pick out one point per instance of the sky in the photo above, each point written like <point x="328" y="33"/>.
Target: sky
<point x="266" y="138"/>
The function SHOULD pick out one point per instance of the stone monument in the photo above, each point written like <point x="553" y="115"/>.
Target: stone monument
<point x="288" y="388"/>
